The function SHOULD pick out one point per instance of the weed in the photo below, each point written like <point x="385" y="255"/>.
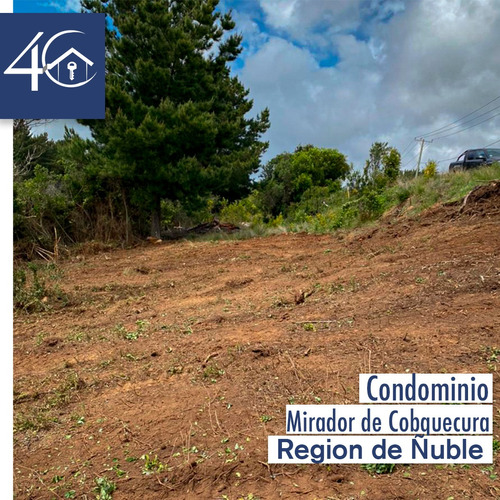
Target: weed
<point x="78" y="336"/>
<point x="31" y="291"/>
<point x="336" y="288"/>
<point x="496" y="446"/>
<point x="175" y="369"/>
<point x="309" y="327"/>
<point x="265" y="418"/>
<point x="104" y="488"/>
<point x="141" y="327"/>
<point x="493" y="354"/>
<point x="213" y="372"/>
<point x="119" y="472"/>
<point x="79" y="419"/>
<point x="490" y="470"/>
<point x="152" y="465"/>
<point x="378" y="468"/>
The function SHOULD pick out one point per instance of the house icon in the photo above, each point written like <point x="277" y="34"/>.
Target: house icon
<point x="68" y="53"/>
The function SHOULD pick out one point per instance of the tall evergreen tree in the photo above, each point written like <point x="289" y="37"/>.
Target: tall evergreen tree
<point x="176" y="122"/>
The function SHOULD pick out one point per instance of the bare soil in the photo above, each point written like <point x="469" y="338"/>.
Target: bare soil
<point x="172" y="363"/>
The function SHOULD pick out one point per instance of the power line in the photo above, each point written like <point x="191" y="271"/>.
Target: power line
<point x="468" y="121"/>
<point x="461" y="118"/>
<point x="447" y="159"/>
<point x="467" y="128"/>
<point x="491" y="143"/>
<point x="406" y="149"/>
<point x="414" y="158"/>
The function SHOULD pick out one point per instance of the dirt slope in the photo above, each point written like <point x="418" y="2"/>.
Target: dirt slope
<point x="188" y="353"/>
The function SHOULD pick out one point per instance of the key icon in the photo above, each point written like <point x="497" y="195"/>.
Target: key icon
<point x="72" y="67"/>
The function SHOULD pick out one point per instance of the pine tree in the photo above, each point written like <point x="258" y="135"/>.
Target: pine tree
<point x="176" y="125"/>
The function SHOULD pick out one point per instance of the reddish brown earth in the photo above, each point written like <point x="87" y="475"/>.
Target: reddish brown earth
<point x="222" y="335"/>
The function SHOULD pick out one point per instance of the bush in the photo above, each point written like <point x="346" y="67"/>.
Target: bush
<point x="245" y="210"/>
<point x="430" y="169"/>
<point x="31" y="291"/>
<point x="371" y="205"/>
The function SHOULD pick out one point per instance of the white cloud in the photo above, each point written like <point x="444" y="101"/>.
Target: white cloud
<point x="66" y="5"/>
<point x="405" y="68"/>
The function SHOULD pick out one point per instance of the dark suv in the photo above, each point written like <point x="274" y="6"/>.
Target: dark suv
<point x="473" y="158"/>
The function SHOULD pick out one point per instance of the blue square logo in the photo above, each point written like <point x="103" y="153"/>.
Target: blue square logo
<point x="52" y="65"/>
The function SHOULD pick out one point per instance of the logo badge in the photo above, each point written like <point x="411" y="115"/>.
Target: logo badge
<point x="52" y="66"/>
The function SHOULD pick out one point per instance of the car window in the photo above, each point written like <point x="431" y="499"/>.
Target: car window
<point x="493" y="153"/>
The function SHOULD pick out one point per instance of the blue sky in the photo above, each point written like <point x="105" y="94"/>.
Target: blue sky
<point x="346" y="73"/>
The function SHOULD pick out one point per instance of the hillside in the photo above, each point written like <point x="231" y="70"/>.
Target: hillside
<point x="164" y="368"/>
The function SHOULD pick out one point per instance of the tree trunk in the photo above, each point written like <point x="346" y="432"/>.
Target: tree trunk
<point x="156" y="218"/>
<point x="126" y="217"/>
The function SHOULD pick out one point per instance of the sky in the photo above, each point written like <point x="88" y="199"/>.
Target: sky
<point x="345" y="73"/>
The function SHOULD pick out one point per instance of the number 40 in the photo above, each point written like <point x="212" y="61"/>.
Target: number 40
<point x="34" y="71"/>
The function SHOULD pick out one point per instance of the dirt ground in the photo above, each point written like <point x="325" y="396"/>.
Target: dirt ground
<point x="172" y="363"/>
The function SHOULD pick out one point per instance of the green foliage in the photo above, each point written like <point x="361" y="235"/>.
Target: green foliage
<point x="371" y="205"/>
<point x="392" y="164"/>
<point x="430" y="169"/>
<point x="383" y="167"/>
<point x="104" y="488"/>
<point x="70" y="199"/>
<point x="379" y="468"/>
<point x="152" y="465"/>
<point x="373" y="167"/>
<point x="32" y="293"/>
<point x="40" y="204"/>
<point x="30" y="150"/>
<point x="244" y="210"/>
<point x="176" y="122"/>
<point x="348" y="208"/>
<point x="303" y="178"/>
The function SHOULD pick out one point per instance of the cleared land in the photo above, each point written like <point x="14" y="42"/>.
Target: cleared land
<point x="171" y="364"/>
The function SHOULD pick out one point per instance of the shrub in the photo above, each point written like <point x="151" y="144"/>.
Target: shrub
<point x="31" y="291"/>
<point x="430" y="169"/>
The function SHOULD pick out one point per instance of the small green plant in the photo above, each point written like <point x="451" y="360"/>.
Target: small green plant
<point x="266" y="418"/>
<point x="151" y="465"/>
<point x="213" y="372"/>
<point x="496" y="446"/>
<point x="309" y="327"/>
<point x="490" y="470"/>
<point x="378" y="468"/>
<point x="104" y="488"/>
<point x="119" y="471"/>
<point x="141" y="325"/>
<point x="492" y="353"/>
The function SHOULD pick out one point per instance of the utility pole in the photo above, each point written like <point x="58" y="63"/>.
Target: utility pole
<point x="422" y="143"/>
